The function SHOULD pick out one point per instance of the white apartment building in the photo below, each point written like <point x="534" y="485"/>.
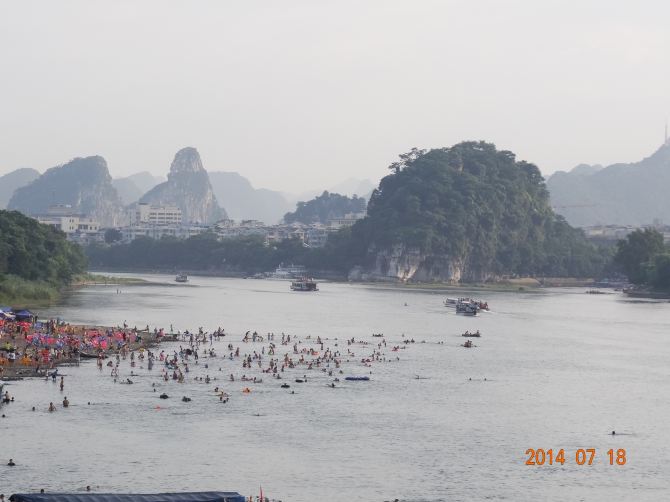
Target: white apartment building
<point x="145" y="213"/>
<point x="71" y="224"/>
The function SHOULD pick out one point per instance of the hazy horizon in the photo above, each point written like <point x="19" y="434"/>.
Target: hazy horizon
<point x="301" y="94"/>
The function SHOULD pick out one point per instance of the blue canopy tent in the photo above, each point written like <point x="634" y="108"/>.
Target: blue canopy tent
<point x="24" y="315"/>
<point x="129" y="497"/>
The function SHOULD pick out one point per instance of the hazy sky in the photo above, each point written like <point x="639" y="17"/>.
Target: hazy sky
<point x="302" y="94"/>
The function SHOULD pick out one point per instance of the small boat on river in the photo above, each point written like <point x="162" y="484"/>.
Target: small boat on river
<point x="304" y="284"/>
<point x="181" y="278"/>
<point x="476" y="334"/>
<point x="357" y="378"/>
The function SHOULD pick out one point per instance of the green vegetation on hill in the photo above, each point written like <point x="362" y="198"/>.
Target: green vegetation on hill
<point x="325" y="207"/>
<point x="479" y="206"/>
<point x="35" y="259"/>
<point x="644" y="258"/>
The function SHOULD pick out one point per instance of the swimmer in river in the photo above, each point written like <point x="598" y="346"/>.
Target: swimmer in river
<point x="52" y="407"/>
<point x="613" y="433"/>
<point x="66" y="403"/>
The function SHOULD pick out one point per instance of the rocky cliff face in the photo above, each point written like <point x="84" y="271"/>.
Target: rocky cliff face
<point x="189" y="188"/>
<point x="400" y="263"/>
<point x="16" y="179"/>
<point x="83" y="183"/>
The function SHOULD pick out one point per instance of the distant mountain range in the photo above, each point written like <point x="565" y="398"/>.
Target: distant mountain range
<point x="242" y="201"/>
<point x="16" y="179"/>
<point x="620" y="194"/>
<point x="131" y="188"/>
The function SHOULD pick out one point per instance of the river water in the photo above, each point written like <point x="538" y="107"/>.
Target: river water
<point x="554" y="369"/>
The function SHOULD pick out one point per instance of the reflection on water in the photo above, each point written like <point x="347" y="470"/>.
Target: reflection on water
<point x="562" y="369"/>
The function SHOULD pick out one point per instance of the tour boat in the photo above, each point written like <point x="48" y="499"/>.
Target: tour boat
<point x="181" y="278"/>
<point x="304" y="284"/>
<point x="467" y="308"/>
<point x="289" y="272"/>
<point x="464" y="305"/>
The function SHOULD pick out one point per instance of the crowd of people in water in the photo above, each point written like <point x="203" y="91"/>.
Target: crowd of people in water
<point x="232" y="365"/>
<point x="123" y="352"/>
<point x="259" y="358"/>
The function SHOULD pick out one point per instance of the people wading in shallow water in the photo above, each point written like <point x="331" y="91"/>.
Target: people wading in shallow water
<point x="248" y="363"/>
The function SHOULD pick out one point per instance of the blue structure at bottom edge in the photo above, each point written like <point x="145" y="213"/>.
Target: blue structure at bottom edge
<point x="129" y="497"/>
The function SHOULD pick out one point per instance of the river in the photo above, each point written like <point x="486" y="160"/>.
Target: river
<point x="554" y="368"/>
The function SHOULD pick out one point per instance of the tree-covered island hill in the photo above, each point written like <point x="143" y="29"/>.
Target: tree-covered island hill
<point x="37" y="262"/>
<point x="465" y="214"/>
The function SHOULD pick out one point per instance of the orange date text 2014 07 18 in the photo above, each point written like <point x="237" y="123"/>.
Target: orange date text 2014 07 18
<point x="582" y="456"/>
